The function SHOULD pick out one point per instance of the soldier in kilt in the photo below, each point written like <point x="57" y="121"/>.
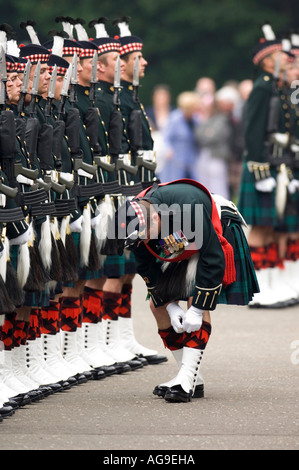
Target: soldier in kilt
<point x="189" y="246"/>
<point x="266" y="202"/>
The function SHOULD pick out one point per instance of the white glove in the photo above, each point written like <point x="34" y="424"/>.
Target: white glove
<point x="293" y="186"/>
<point x="76" y="226"/>
<point x="192" y="319"/>
<point x="266" y="186"/>
<point x="176" y="315"/>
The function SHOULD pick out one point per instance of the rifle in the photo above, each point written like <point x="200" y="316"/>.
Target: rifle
<point x="8" y="136"/>
<point x="92" y="122"/>
<point x="122" y="163"/>
<point x="3" y="77"/>
<point x="135" y="130"/>
<point x="72" y="131"/>
<point x="276" y="143"/>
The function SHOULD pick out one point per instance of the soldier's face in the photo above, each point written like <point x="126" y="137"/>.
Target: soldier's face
<point x="106" y="67"/>
<point x="44" y="79"/>
<point x="13" y="87"/>
<point x="292" y="73"/>
<point x="128" y="70"/>
<point x="84" y="74"/>
<point x="58" y="87"/>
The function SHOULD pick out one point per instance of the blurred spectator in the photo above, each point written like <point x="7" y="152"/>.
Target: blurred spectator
<point x="158" y="115"/>
<point x="214" y="137"/>
<point x="244" y="88"/>
<point x="206" y="89"/>
<point x="180" y="144"/>
<point x="161" y="106"/>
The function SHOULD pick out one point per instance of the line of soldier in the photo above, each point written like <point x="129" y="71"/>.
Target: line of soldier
<point x="269" y="197"/>
<point x="75" y="143"/>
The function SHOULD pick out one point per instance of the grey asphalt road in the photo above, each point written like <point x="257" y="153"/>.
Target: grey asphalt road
<point x="251" y="372"/>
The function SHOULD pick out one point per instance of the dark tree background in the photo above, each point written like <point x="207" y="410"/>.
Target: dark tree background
<point x="183" y="40"/>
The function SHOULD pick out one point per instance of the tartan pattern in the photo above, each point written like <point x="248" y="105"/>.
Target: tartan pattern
<point x="70" y="51"/>
<point x="256" y="207"/>
<point x="292" y="250"/>
<point x="126" y="301"/>
<point x="195" y="340"/>
<point x="50" y="319"/>
<point x="20" y="67"/>
<point x="91" y="305"/>
<point x="266" y="51"/>
<point x="130" y="262"/>
<point x="172" y="340"/>
<point x="11" y="67"/>
<point x="273" y="256"/>
<point x="259" y="258"/>
<point x="7" y="331"/>
<point x="111" y="305"/>
<point x="34" y="58"/>
<point x="132" y="47"/>
<point x="110" y="46"/>
<point x="86" y="53"/>
<point x="114" y="266"/>
<point x="139" y="213"/>
<point x="70" y="313"/>
<point x="240" y="292"/>
<point x="259" y="208"/>
<point x="60" y="70"/>
<point x="34" y="329"/>
<point x="21" y="332"/>
<point x="198" y="339"/>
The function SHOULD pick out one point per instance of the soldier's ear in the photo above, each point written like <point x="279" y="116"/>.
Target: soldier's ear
<point x="155" y="217"/>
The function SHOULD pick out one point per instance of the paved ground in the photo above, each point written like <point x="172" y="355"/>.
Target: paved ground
<point x="252" y="395"/>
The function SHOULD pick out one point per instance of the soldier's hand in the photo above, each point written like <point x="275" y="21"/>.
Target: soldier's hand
<point x="176" y="315"/>
<point x="266" y="186"/>
<point x="192" y="320"/>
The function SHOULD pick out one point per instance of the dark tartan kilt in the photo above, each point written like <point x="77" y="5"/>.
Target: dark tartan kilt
<point x="246" y="285"/>
<point x="258" y="208"/>
<point x="130" y="264"/>
<point x="114" y="266"/>
<point x="241" y="292"/>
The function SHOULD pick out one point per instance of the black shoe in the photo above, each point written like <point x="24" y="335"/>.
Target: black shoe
<point x="160" y="391"/>
<point x="155" y="359"/>
<point x="108" y="370"/>
<point x="98" y="374"/>
<point x="122" y="367"/>
<point x="6" y="411"/>
<point x="178" y="395"/>
<point x="81" y="378"/>
<point x="22" y="399"/>
<point x="135" y="364"/>
<point x="72" y="381"/>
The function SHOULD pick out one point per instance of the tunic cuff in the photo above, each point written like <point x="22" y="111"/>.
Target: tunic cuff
<point x="206" y="299"/>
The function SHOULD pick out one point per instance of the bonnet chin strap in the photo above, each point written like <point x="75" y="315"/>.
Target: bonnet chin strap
<point x="230" y="270"/>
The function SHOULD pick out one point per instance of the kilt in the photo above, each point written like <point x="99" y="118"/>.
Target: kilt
<point x="258" y="208"/>
<point x="114" y="266"/>
<point x="246" y="285"/>
<point x="130" y="265"/>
